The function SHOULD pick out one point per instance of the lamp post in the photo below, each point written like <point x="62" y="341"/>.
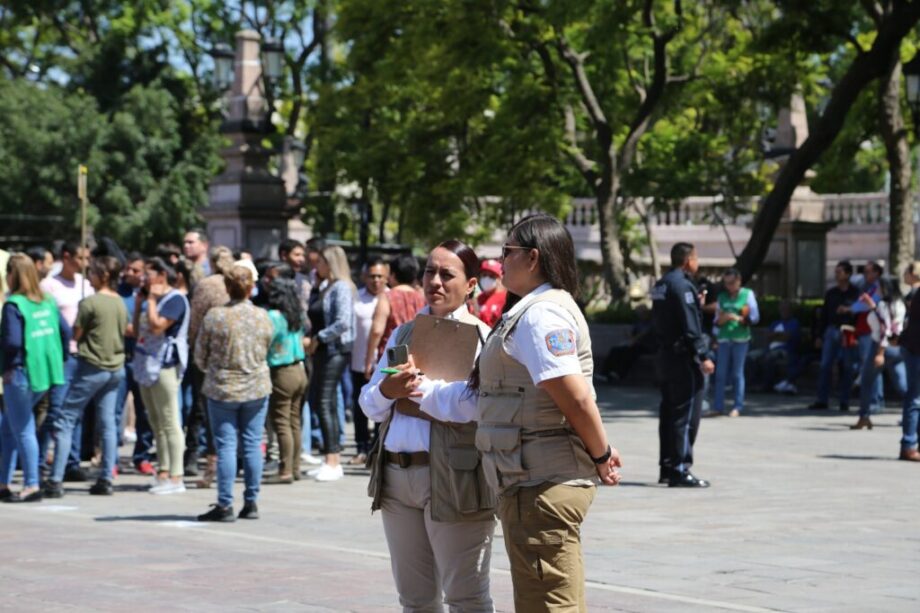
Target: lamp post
<point x="247" y="202"/>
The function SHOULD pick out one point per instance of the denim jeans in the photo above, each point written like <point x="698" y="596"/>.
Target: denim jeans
<point x="730" y="361"/>
<point x="871" y="390"/>
<point x="910" y="418"/>
<point x="89" y="384"/>
<point x="56" y="398"/>
<point x="833" y="352"/>
<point x="231" y="421"/>
<point x="871" y="399"/>
<point x="896" y="369"/>
<point x="144" y="442"/>
<point x="17" y="429"/>
<point x="186" y="398"/>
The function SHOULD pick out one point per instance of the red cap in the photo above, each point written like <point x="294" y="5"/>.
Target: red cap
<point x="492" y="266"/>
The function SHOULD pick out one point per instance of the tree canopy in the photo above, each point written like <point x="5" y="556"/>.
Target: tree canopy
<point x="448" y="117"/>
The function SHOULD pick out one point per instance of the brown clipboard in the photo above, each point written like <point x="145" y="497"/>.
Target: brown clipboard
<point x="442" y="349"/>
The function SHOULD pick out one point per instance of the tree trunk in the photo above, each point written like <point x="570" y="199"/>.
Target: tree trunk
<point x="384" y="217"/>
<point x="646" y="216"/>
<point x="901" y="222"/>
<point x="866" y="67"/>
<point x="614" y="263"/>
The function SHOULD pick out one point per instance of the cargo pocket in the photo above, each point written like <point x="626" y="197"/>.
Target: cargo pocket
<point x="464" y="482"/>
<point x="551" y="559"/>
<point x="501" y="447"/>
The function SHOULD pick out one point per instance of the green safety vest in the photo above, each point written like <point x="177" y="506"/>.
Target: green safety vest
<point x="734" y="331"/>
<point x="42" y="340"/>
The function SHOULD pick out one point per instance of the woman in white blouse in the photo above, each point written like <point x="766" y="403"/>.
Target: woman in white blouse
<point x="426" y="475"/>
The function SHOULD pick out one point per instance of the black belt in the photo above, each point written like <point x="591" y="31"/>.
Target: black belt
<point x="404" y="459"/>
<point x="286" y="365"/>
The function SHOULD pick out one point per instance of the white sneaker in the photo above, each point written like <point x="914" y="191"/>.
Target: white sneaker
<point x="168" y="487"/>
<point x="791" y="389"/>
<point x="780" y="387"/>
<point x="315" y="471"/>
<point x="310" y="459"/>
<point x="330" y="473"/>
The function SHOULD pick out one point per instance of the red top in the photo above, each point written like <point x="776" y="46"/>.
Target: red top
<point x="404" y="305"/>
<point x="490" y="306"/>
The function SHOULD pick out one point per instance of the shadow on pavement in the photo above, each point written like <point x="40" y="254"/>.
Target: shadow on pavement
<point x="109" y="518"/>
<point x="837" y="456"/>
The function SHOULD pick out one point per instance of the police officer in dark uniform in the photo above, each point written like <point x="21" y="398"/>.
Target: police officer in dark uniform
<point x="682" y="364"/>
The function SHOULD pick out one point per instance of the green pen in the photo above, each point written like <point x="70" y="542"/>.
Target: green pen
<point x="395" y="371"/>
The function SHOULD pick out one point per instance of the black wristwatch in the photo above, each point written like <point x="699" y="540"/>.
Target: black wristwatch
<point x="603" y="459"/>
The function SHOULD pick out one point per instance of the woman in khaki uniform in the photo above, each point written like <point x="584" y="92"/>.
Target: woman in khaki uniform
<point x="543" y="444"/>
<point x="426" y="475"/>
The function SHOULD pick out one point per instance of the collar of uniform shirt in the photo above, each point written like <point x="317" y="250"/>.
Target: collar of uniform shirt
<point x="426" y="310"/>
<point x="525" y="300"/>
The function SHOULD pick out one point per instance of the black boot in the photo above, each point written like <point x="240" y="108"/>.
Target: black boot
<point x="53" y="489"/>
<point x="218" y="513"/>
<point x="250" y="511"/>
<point x="102" y="487"/>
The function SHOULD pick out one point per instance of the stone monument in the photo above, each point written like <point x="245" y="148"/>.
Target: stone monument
<point x="246" y="208"/>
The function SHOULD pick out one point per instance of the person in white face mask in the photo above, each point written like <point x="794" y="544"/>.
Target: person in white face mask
<point x="491" y="300"/>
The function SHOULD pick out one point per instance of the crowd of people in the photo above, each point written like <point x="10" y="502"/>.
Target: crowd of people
<point x="226" y="362"/>
<point x="202" y="347"/>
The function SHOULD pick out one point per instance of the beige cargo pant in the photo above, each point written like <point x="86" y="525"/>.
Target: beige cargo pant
<point x="429" y="556"/>
<point x="542" y="529"/>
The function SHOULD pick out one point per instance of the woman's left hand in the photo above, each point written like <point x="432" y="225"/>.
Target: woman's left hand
<point x="879" y="360"/>
<point x="403" y="384"/>
<point x="310" y="344"/>
<point x="609" y="472"/>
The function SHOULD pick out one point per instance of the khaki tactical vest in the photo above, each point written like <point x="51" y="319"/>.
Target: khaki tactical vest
<point x="459" y="491"/>
<point x="523" y="436"/>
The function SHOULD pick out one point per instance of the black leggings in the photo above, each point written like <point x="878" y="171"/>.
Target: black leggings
<point x="327" y="372"/>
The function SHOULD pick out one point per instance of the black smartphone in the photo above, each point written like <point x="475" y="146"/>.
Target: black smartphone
<point x="397" y="355"/>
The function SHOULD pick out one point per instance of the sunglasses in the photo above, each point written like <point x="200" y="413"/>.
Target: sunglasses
<point x="506" y="249"/>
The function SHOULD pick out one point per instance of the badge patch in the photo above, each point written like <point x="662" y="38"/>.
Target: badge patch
<point x="689" y="297"/>
<point x="561" y="342"/>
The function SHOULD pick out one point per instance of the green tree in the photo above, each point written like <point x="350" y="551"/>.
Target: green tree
<point x="91" y="82"/>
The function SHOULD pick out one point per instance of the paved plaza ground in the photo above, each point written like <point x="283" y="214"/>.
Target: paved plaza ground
<point x="803" y="515"/>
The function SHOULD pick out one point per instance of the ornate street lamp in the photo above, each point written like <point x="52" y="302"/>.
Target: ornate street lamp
<point x="223" y="65"/>
<point x="272" y="60"/>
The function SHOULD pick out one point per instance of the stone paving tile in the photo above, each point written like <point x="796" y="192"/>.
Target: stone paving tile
<point x="803" y="515"/>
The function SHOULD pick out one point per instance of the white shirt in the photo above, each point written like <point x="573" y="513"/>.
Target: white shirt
<point x="365" y="304"/>
<point x="67" y="295"/>
<point x="406" y="433"/>
<point x="545" y="341"/>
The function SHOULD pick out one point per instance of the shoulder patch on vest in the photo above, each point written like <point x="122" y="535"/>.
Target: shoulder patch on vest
<point x="561" y="342"/>
<point x="689" y="297"/>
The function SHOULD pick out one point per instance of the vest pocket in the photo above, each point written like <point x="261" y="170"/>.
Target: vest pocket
<point x="464" y="479"/>
<point x="501" y="457"/>
<point x="500" y="408"/>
